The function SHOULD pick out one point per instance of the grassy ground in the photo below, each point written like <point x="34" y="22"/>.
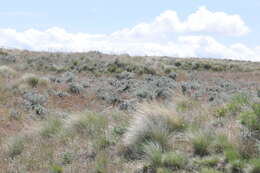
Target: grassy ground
<point x="75" y="130"/>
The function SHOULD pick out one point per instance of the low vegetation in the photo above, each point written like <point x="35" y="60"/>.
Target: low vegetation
<point x="97" y="113"/>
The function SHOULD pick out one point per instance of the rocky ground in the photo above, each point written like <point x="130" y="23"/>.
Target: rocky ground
<point x="35" y="86"/>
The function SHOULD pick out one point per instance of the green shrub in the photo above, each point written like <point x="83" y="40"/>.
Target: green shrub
<point x="250" y="120"/>
<point x="232" y="155"/>
<point x="56" y="169"/>
<point x="201" y="143"/>
<point x="174" y="160"/>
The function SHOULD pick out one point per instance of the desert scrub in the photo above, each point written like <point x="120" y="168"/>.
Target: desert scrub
<point x="155" y="123"/>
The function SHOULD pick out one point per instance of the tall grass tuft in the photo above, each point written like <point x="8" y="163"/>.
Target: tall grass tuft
<point x="16" y="146"/>
<point x="154" y="123"/>
<point x="201" y="142"/>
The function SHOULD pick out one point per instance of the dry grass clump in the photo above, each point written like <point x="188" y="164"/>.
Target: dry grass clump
<point x="16" y="146"/>
<point x="153" y="122"/>
<point x="7" y="72"/>
<point x="33" y="80"/>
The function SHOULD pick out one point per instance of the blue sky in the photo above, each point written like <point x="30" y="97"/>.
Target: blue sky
<point x="24" y="23"/>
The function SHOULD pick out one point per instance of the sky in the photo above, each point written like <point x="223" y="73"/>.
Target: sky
<point x="196" y="28"/>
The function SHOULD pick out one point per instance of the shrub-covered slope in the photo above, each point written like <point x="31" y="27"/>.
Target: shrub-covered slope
<point x="93" y="112"/>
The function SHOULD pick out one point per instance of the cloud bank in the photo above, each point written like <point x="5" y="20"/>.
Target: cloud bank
<point x="167" y="35"/>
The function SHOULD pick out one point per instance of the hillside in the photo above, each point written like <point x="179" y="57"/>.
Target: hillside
<point x="100" y="113"/>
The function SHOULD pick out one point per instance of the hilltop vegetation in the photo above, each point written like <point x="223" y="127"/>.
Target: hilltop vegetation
<point x="99" y="113"/>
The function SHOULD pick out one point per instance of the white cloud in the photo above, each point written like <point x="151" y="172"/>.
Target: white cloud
<point x="202" y="20"/>
<point x="143" y="39"/>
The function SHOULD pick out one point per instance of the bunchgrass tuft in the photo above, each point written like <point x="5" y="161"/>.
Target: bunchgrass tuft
<point x="201" y="143"/>
<point x="250" y="120"/>
<point x="56" y="169"/>
<point x="6" y="71"/>
<point x="153" y="153"/>
<point x="174" y="160"/>
<point x="51" y="127"/>
<point x="210" y="161"/>
<point x="231" y="155"/>
<point x="153" y="123"/>
<point x="16" y="146"/>
<point x="90" y="124"/>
